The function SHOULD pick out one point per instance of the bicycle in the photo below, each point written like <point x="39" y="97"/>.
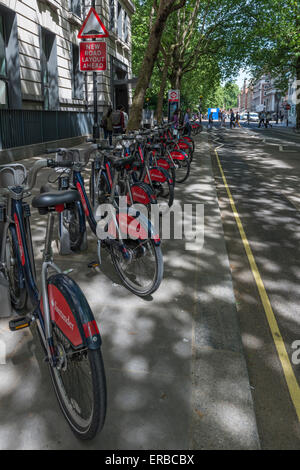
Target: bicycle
<point x="136" y="254"/>
<point x="149" y="172"/>
<point x="65" y="323"/>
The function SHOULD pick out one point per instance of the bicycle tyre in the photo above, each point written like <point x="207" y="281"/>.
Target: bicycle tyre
<point x="71" y="220"/>
<point x="129" y="284"/>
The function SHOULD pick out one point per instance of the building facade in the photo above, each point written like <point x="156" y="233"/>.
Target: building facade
<point x="39" y="56"/>
<point x="245" y="98"/>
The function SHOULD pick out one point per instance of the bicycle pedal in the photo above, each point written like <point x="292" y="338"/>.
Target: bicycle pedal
<point x="19" y="324"/>
<point x="93" y="264"/>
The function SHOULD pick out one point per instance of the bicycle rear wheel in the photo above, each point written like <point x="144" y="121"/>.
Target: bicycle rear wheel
<point x="71" y="220"/>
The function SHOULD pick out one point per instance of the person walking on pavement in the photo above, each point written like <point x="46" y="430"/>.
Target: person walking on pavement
<point x="268" y="119"/>
<point x="262" y="117"/>
<point x="175" y="123"/>
<point x="187" y="123"/>
<point x="118" y="121"/>
<point x="232" y="119"/>
<point x="248" y="118"/>
<point x="210" y="121"/>
<point x="125" y="117"/>
<point x="237" y="119"/>
<point x="107" y="125"/>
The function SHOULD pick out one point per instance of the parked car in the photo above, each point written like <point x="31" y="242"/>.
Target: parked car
<point x="254" y="117"/>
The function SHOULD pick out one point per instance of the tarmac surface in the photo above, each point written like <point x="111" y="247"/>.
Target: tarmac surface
<point x="262" y="170"/>
<point x="176" y="371"/>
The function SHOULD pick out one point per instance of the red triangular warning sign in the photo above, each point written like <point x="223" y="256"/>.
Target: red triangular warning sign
<point x="92" y="27"/>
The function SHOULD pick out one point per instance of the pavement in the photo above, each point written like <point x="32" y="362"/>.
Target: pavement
<point x="177" y="376"/>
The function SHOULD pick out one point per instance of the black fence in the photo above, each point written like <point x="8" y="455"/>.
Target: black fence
<point x="27" y="127"/>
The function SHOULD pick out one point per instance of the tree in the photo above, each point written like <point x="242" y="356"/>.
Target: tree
<point x="217" y="29"/>
<point x="277" y="25"/>
<point x="161" y="10"/>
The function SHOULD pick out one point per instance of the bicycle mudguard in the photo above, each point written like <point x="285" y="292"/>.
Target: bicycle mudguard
<point x="71" y="312"/>
<point x="187" y="139"/>
<point x="142" y="194"/>
<point x="158" y="174"/>
<point x="178" y="155"/>
<point x="164" y="163"/>
<point x="184" y="145"/>
<point x="135" y="226"/>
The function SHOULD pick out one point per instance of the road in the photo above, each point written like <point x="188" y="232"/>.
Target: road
<point x="261" y="219"/>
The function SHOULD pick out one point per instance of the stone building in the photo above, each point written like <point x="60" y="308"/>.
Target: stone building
<point x="245" y="98"/>
<point x="39" y="66"/>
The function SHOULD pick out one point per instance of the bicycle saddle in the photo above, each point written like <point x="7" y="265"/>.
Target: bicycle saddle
<point x="55" y="198"/>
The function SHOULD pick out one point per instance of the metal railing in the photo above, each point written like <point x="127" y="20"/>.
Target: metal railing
<point x="27" y="127"/>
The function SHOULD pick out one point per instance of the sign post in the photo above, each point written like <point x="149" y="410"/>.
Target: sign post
<point x="173" y="103"/>
<point x="93" y="54"/>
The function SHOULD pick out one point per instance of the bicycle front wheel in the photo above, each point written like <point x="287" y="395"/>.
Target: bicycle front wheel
<point x="142" y="271"/>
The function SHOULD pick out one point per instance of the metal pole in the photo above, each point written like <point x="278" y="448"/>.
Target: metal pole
<point x="96" y="133"/>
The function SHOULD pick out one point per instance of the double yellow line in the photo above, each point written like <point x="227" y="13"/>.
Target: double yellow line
<point x="290" y="378"/>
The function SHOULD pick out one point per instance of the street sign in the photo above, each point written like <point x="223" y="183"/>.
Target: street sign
<point x="93" y="56"/>
<point x="92" y="27"/>
<point x="174" y="96"/>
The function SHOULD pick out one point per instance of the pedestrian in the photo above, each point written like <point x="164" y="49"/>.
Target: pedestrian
<point x="210" y="121"/>
<point x="118" y="121"/>
<point x="107" y="125"/>
<point x="262" y="117"/>
<point x="187" y="123"/>
<point x="125" y="117"/>
<point x="175" y="123"/>
<point x="286" y="117"/>
<point x="268" y="119"/>
<point x="248" y="118"/>
<point x="220" y="116"/>
<point x="232" y="119"/>
<point x="223" y="119"/>
<point x="237" y="119"/>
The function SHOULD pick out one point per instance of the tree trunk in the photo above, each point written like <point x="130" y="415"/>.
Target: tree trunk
<point x="166" y="7"/>
<point x="176" y="77"/>
<point x="161" y="94"/>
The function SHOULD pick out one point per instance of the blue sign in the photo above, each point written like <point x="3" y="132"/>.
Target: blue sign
<point x="215" y="113"/>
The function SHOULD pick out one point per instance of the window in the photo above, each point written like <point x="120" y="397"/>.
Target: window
<point x="3" y="83"/>
<point x="112" y="15"/>
<point x="125" y="27"/>
<point x="10" y="81"/>
<point x="77" y="76"/>
<point x="75" y="7"/>
<point x="49" y="69"/>
<point x="120" y="21"/>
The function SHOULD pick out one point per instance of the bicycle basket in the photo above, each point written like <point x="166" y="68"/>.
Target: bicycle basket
<point x="13" y="174"/>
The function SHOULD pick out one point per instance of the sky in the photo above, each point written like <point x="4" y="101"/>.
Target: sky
<point x="242" y="75"/>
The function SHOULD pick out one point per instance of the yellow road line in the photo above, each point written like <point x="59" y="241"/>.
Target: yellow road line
<point x="278" y="340"/>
